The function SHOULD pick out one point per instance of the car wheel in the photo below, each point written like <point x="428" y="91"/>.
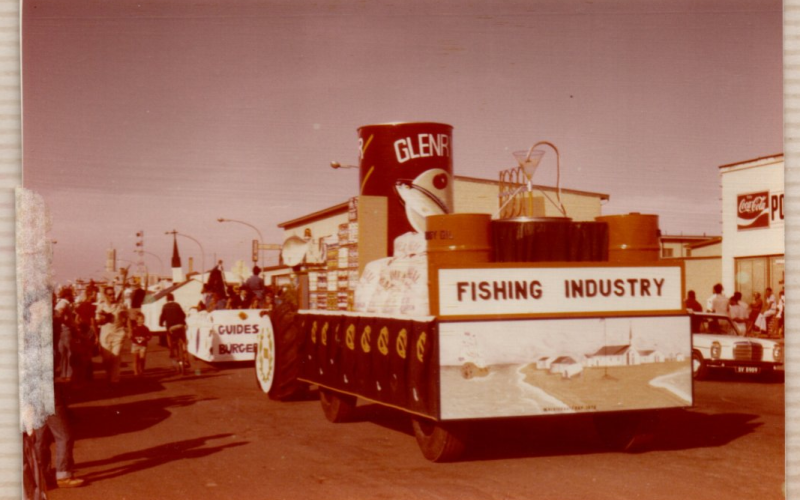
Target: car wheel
<point x="768" y="374"/>
<point x="699" y="367"/>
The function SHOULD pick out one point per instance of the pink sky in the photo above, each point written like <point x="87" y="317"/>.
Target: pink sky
<point x="154" y="115"/>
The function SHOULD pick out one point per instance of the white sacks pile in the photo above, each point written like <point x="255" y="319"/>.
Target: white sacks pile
<point x="399" y="284"/>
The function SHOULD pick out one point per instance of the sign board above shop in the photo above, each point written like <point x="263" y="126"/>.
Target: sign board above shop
<point x="759" y="210"/>
<point x="574" y="290"/>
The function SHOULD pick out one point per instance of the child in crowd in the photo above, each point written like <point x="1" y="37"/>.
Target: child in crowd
<point x="140" y="336"/>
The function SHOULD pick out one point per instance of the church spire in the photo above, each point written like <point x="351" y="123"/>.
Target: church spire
<point x="177" y="270"/>
<point x="176" y="258"/>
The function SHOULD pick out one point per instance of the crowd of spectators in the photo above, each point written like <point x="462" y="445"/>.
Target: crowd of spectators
<point x="762" y="316"/>
<point x="97" y="321"/>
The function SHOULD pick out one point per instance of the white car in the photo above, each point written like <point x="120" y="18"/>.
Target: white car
<point x="717" y="344"/>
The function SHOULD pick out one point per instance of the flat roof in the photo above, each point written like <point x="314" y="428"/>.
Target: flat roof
<point x="761" y="158"/>
<point x="703" y="237"/>
<point x="342" y="207"/>
<point x="321" y="214"/>
<point x="701" y="244"/>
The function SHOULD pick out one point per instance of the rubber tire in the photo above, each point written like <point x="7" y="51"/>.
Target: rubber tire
<point x="768" y="374"/>
<point x="287" y="354"/>
<point x="700" y="370"/>
<point x="439" y="443"/>
<point x="33" y="477"/>
<point x="336" y="406"/>
<point x="629" y="432"/>
<point x="259" y="356"/>
<point x="182" y="358"/>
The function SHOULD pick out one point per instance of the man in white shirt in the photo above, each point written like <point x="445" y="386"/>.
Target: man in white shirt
<point x="717" y="302"/>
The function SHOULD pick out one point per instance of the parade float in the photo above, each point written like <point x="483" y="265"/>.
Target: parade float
<point x="454" y="317"/>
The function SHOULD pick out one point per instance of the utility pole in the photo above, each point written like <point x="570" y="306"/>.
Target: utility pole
<point x="141" y="269"/>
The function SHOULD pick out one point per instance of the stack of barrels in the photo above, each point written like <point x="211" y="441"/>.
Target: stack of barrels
<point x="475" y="238"/>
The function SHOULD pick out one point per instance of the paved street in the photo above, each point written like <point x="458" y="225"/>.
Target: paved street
<point x="215" y="435"/>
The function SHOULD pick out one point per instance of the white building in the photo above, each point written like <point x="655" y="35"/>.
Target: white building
<point x="470" y="195"/>
<point x="615" y="355"/>
<point x="753" y="239"/>
<point x="566" y="366"/>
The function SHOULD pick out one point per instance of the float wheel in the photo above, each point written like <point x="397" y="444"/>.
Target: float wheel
<point x="336" y="406"/>
<point x="265" y="358"/>
<point x="286" y="354"/>
<point x="438" y="442"/>
<point x="631" y="432"/>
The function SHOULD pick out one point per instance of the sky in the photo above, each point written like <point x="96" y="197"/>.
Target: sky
<point x="159" y="115"/>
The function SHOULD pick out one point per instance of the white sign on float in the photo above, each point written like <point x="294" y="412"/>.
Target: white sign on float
<point x="492" y="369"/>
<point x="501" y="291"/>
<point x="225" y="335"/>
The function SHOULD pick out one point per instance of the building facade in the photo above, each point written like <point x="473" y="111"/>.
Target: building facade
<point x="470" y="195"/>
<point x="701" y="257"/>
<point x="679" y="246"/>
<point x="753" y="235"/>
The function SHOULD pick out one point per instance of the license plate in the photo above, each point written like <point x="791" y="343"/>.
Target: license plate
<point x="748" y="369"/>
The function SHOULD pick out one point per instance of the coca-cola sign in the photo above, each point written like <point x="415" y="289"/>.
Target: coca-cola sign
<point x="752" y="210"/>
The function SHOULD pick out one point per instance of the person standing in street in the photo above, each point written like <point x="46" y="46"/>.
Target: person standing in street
<point x="87" y="329"/>
<point x="140" y="336"/>
<point x="717" y="302"/>
<point x="112" y="316"/>
<point x="66" y="300"/>
<point x="64" y="331"/>
<point x="691" y="303"/>
<point x="57" y="428"/>
<point x="137" y="299"/>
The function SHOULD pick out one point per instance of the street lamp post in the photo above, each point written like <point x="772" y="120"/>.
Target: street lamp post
<point x="202" y="252"/>
<point x="160" y="262"/>
<point x="260" y="237"/>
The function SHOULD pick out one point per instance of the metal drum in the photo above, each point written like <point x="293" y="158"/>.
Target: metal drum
<point x="412" y="165"/>
<point x="632" y="238"/>
<point x="531" y="239"/>
<point x="588" y="242"/>
<point x="459" y="239"/>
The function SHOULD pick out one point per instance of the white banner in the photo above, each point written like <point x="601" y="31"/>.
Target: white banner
<point x="498" y="291"/>
<point x="225" y="335"/>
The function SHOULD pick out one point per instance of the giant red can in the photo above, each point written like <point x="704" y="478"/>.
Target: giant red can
<point x="411" y="164"/>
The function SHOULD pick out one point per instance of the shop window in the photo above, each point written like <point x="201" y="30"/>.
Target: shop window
<point x="776" y="273"/>
<point x="756" y="274"/>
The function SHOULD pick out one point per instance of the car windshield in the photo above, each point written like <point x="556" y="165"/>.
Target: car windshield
<point x="718" y="326"/>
